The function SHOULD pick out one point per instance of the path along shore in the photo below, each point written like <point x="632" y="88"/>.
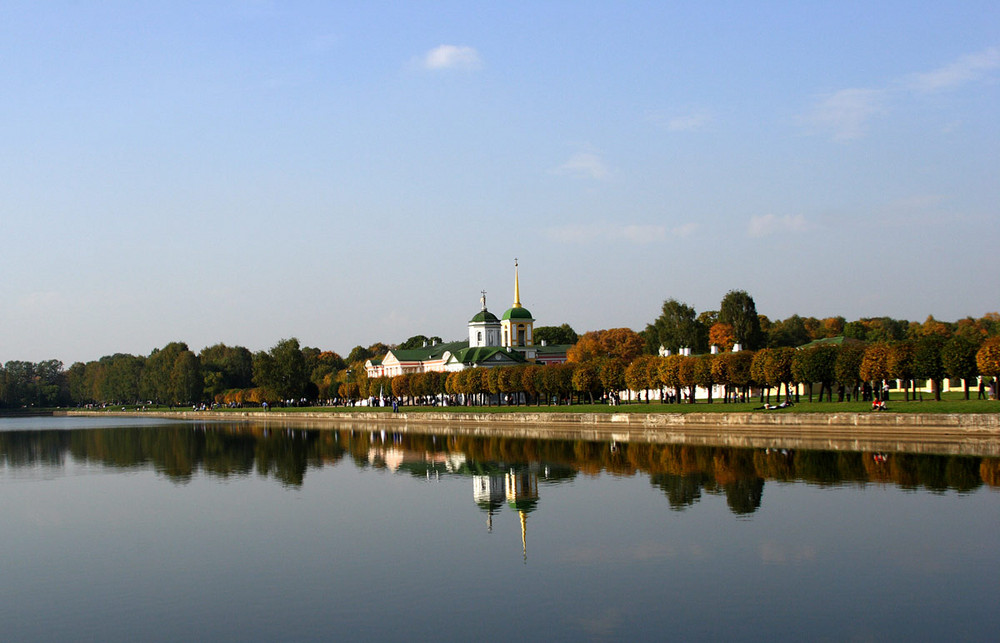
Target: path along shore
<point x="950" y="433"/>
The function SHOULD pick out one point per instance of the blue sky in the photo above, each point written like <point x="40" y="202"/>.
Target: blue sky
<point x="347" y="173"/>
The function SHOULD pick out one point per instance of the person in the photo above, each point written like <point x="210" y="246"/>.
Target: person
<point x="982" y="389"/>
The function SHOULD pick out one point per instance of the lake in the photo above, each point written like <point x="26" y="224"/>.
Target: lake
<point x="116" y="529"/>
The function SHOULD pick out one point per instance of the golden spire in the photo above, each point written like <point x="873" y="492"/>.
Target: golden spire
<point x="517" y="287"/>
<point x="524" y="535"/>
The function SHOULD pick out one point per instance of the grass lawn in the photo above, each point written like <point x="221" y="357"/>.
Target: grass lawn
<point x="952" y="402"/>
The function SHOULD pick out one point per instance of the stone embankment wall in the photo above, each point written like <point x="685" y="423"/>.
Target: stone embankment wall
<point x="984" y="422"/>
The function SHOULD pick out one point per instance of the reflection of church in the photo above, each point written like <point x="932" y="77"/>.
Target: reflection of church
<point x="505" y="341"/>
<point x="518" y="487"/>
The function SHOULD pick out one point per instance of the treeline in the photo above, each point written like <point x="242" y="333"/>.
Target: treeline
<point x="175" y="375"/>
<point x="775" y="354"/>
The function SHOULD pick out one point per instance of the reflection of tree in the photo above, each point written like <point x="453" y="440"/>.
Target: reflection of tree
<point x="682" y="491"/>
<point x="683" y="473"/>
<point x="743" y="495"/>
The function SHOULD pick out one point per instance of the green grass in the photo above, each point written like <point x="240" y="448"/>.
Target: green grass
<point x="951" y="402"/>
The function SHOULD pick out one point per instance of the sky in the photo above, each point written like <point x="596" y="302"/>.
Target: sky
<point x="353" y="172"/>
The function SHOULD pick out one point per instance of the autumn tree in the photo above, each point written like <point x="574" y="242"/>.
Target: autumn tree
<point x="819" y="365"/>
<point x="988" y="361"/>
<point x="899" y="362"/>
<point x="875" y="365"/>
<point x="722" y="335"/>
<point x="586" y="379"/>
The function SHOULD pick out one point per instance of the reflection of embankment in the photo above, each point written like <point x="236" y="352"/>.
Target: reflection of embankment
<point x="683" y="472"/>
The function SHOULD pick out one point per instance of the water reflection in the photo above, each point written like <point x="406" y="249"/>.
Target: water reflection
<point x="500" y="470"/>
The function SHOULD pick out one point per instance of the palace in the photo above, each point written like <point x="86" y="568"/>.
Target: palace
<point x="507" y="341"/>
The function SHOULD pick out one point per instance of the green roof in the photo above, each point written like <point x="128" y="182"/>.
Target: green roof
<point x="552" y="349"/>
<point x="481" y="354"/>
<point x="839" y="340"/>
<point x="517" y="313"/>
<point x="484" y="316"/>
<point x="428" y="353"/>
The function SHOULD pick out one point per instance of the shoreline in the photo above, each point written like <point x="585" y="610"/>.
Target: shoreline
<point x="946" y="434"/>
<point x="967" y="422"/>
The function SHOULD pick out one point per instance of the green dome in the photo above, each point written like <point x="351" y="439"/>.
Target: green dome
<point x="517" y="313"/>
<point x="484" y="316"/>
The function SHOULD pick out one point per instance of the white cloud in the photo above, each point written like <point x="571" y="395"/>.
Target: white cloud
<point x="585" y="165"/>
<point x="643" y="234"/>
<point x="768" y="224"/>
<point x="964" y="70"/>
<point x="453" y="57"/>
<point x="684" y="231"/>
<point x="689" y="123"/>
<point x="845" y="114"/>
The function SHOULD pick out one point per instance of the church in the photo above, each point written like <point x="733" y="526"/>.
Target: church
<point x="504" y="341"/>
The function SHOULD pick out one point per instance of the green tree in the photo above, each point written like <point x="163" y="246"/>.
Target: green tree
<point x="555" y="335"/>
<point x="848" y="366"/>
<point x="958" y="356"/>
<point x="900" y="364"/>
<point x="154" y="383"/>
<point x="282" y="370"/>
<point x="677" y="327"/>
<point x="739" y="311"/>
<point x="927" y="361"/>
<point x="185" y="379"/>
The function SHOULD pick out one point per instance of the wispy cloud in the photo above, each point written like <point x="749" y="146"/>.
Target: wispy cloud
<point x="769" y="224"/>
<point x="452" y="57"/>
<point x="847" y="114"/>
<point x="586" y="165"/>
<point x="964" y="70"/>
<point x="633" y="233"/>
<point x="688" y="123"/>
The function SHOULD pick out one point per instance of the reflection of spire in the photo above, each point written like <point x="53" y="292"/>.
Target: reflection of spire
<point x="517" y="288"/>
<point x="524" y="535"/>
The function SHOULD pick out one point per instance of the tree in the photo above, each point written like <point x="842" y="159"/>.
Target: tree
<point x="637" y="375"/>
<point x="419" y="341"/>
<point x="155" y="381"/>
<point x="819" y="365"/>
<point x="900" y="364"/>
<point x="988" y="361"/>
<point x="226" y="367"/>
<point x="875" y="365"/>
<point x="927" y="361"/>
<point x="677" y="327"/>
<point x="622" y="343"/>
<point x="586" y="379"/>
<point x="282" y="370"/>
<point x="790" y="332"/>
<point x="739" y="311"/>
<point x="959" y="359"/>
<point x="185" y="379"/>
<point x="555" y="335"/>
<point x="613" y="374"/>
<point x="848" y="367"/>
<point x="703" y="374"/>
<point x="722" y="335"/>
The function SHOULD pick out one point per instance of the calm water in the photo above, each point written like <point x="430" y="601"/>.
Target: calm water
<point x="154" y="530"/>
